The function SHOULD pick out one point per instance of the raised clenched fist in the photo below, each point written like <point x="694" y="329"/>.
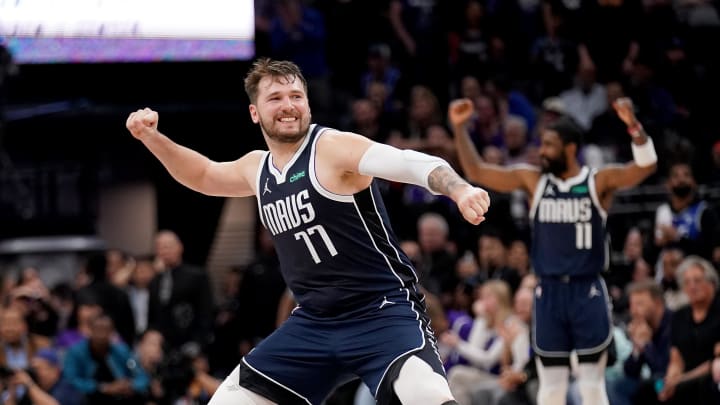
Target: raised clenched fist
<point x="460" y="111"/>
<point x="626" y="111"/>
<point x="142" y="123"/>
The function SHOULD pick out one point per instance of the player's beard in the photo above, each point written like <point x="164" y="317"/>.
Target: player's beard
<point x="556" y="166"/>
<point x="269" y="128"/>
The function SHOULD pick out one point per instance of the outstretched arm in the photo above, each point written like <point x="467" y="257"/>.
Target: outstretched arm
<point x="498" y="178"/>
<point x="644" y="163"/>
<point x="190" y="168"/>
<point x="355" y="154"/>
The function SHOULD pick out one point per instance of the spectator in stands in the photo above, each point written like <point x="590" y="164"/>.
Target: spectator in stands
<point x="47" y="368"/>
<point x="78" y="327"/>
<point x="649" y="332"/>
<point x="511" y="102"/>
<point x="181" y="302"/>
<point x="622" y="271"/>
<point x="104" y="370"/>
<point x="486" y="126"/>
<point x="666" y="275"/>
<point x="112" y="299"/>
<point x="515" y="142"/>
<point x="380" y="68"/>
<point x="459" y="320"/>
<point x="553" y="57"/>
<point x="438" y="257"/>
<point x="604" y="127"/>
<point x="492" y="256"/>
<point x="695" y="332"/>
<point x="586" y="99"/>
<point x="365" y="120"/>
<point x="120" y="266"/>
<point x="151" y="356"/>
<point x="485" y="345"/>
<point x="686" y="220"/>
<point x="62" y="299"/>
<point x="516" y="352"/>
<point x="138" y="291"/>
<point x="551" y="109"/>
<point x="518" y="258"/>
<point x="32" y="298"/>
<point x="17" y="345"/>
<point x="298" y="34"/>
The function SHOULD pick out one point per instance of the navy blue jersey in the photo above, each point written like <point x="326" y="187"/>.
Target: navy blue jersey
<point x="337" y="252"/>
<point x="568" y="235"/>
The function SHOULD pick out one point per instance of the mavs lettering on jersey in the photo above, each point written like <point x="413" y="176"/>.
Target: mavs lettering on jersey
<point x="288" y="213"/>
<point x="337" y="252"/>
<point x="576" y="211"/>
<point x="569" y="235"/>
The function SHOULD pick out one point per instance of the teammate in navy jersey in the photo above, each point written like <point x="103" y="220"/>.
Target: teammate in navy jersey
<point x="360" y="310"/>
<point x="569" y="207"/>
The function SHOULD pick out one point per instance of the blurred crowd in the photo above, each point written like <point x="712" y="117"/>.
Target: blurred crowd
<point x="147" y="329"/>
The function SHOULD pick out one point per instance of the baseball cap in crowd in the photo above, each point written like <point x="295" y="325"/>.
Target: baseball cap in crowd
<point x="555" y="105"/>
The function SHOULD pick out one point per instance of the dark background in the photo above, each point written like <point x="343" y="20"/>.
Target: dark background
<point x="59" y="151"/>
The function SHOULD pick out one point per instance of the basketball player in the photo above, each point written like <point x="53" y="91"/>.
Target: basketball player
<point x="360" y="310"/>
<point x="569" y="209"/>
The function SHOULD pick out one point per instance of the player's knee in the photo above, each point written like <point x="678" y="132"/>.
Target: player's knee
<point x="553" y="384"/>
<point x="231" y="393"/>
<point x="591" y="382"/>
<point x="418" y="383"/>
<point x="236" y="395"/>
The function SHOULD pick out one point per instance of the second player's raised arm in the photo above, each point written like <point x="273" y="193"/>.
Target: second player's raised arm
<point x="498" y="178"/>
<point x="644" y="162"/>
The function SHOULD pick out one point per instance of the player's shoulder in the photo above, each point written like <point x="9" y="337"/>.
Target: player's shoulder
<point x="255" y="154"/>
<point x="603" y="175"/>
<point x="525" y="167"/>
<point x="252" y="158"/>
<point x="248" y="164"/>
<point x="334" y="135"/>
<point x="528" y="171"/>
<point x="530" y="175"/>
<point x="608" y="168"/>
<point x="334" y="140"/>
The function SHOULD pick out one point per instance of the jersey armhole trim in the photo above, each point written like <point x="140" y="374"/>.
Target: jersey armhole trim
<point x="313" y="175"/>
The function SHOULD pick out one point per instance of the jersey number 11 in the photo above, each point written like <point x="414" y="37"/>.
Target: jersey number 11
<point x="583" y="235"/>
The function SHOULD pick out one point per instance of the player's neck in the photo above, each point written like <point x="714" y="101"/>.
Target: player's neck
<point x="573" y="170"/>
<point x="283" y="152"/>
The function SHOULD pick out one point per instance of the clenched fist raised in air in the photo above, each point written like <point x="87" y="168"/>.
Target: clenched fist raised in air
<point x="142" y="123"/>
<point x="460" y="112"/>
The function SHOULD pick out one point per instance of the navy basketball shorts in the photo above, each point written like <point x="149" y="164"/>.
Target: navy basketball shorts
<point x="571" y="314"/>
<point x="307" y="357"/>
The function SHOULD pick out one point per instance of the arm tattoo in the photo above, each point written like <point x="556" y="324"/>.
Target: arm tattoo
<point x="444" y="180"/>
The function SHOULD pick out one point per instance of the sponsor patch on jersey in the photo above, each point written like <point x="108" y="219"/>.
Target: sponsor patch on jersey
<point x="297" y="176"/>
<point x="579" y="189"/>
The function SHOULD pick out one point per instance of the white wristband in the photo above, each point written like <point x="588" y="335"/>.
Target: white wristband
<point x="644" y="155"/>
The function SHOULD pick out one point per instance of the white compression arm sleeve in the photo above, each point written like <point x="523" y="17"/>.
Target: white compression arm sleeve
<point x="401" y="165"/>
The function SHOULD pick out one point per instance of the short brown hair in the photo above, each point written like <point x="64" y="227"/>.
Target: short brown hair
<point x="646" y="286"/>
<point x="276" y="69"/>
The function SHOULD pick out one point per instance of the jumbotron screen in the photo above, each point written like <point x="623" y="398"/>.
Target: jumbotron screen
<point x="93" y="31"/>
